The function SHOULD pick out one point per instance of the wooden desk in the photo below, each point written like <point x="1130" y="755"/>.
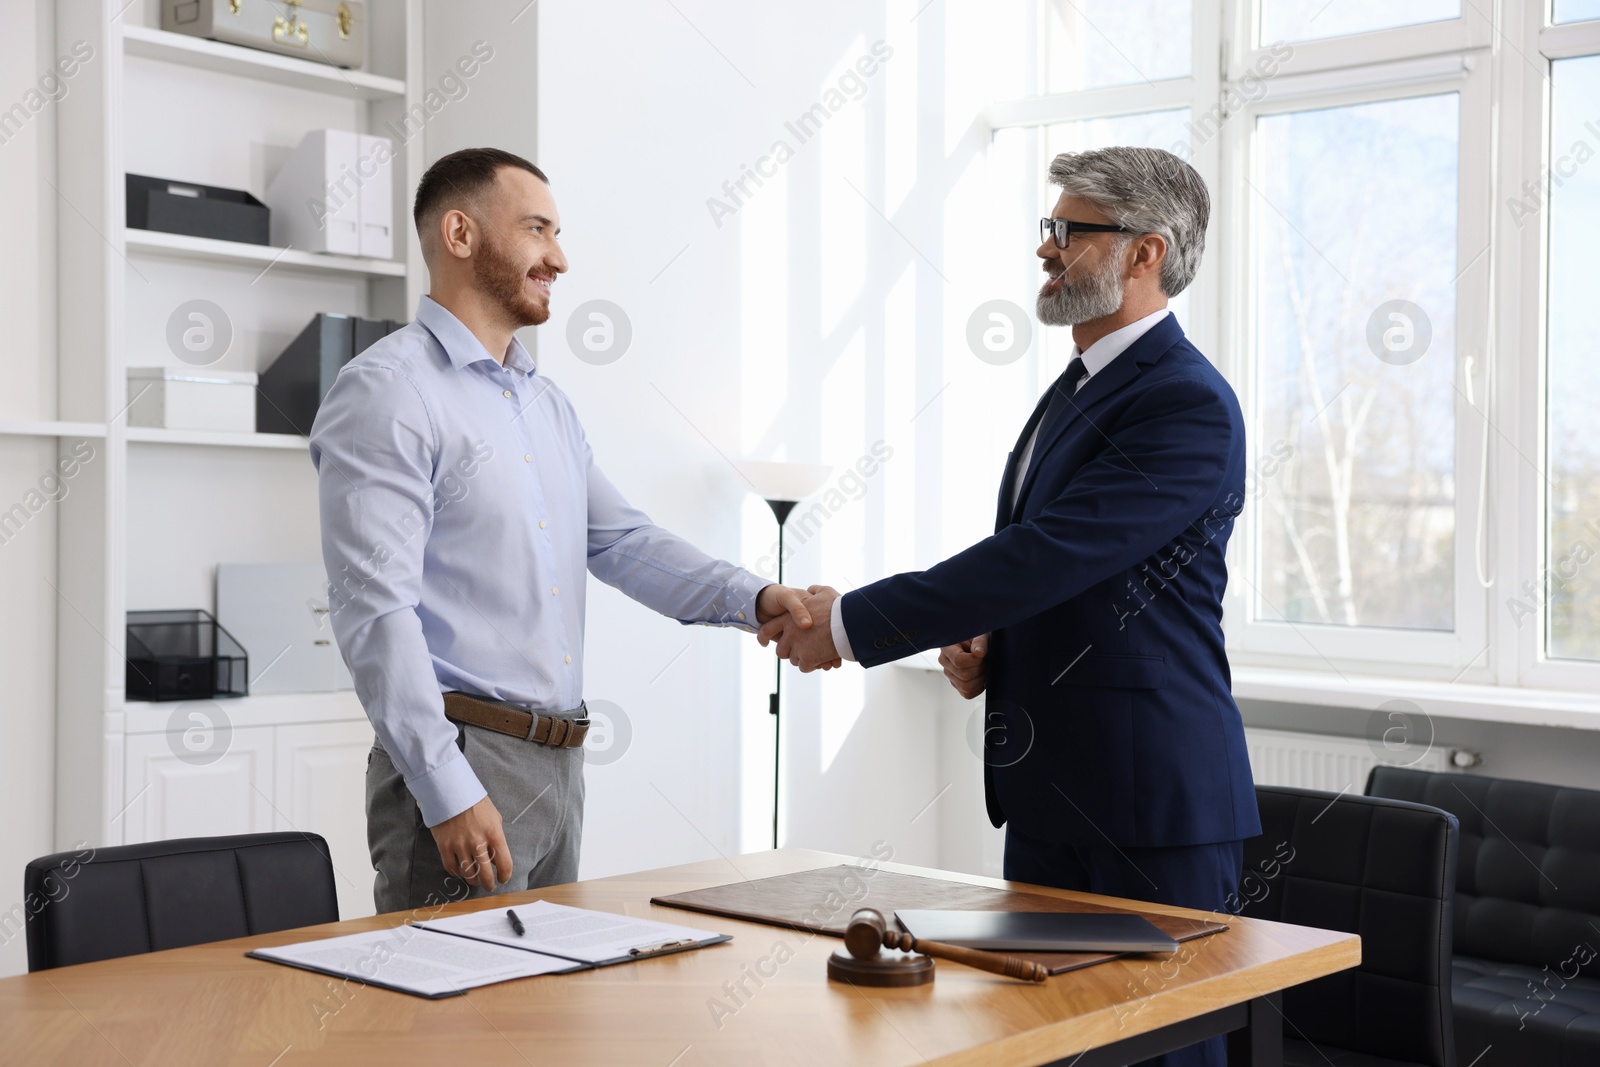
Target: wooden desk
<point x="208" y="1004"/>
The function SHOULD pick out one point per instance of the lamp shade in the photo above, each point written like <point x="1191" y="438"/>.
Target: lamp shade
<point x="783" y="481"/>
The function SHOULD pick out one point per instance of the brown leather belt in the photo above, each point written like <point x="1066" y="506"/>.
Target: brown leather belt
<point x="504" y="717"/>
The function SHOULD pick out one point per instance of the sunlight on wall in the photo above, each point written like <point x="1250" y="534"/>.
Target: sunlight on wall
<point x="842" y="214"/>
<point x="764" y="320"/>
<point x="900" y="113"/>
<point x="843" y="540"/>
<point x="898" y="479"/>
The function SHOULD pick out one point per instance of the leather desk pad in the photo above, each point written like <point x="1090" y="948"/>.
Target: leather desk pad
<point x="822" y="901"/>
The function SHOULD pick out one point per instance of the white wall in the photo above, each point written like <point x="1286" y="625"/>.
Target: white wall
<point x="27" y="388"/>
<point x="806" y="317"/>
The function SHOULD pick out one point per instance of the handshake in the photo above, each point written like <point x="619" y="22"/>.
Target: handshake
<point x="801" y="622"/>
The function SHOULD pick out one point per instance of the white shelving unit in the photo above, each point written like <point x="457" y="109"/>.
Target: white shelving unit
<point x="264" y="257"/>
<point x="267" y="67"/>
<point x="147" y="521"/>
<point x="47" y="428"/>
<point x="217" y="439"/>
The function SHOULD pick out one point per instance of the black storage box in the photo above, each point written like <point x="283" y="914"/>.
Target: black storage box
<point x="196" y="210"/>
<point x="183" y="655"/>
<point x="291" y="390"/>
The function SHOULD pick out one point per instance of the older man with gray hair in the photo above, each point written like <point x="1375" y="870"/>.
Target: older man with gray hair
<point x="1114" y="753"/>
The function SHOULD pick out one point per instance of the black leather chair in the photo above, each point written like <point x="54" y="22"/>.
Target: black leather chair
<point x="1527" y="927"/>
<point x="97" y="904"/>
<point x="1384" y="869"/>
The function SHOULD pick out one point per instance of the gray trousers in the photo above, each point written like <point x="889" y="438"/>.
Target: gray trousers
<point x="538" y="791"/>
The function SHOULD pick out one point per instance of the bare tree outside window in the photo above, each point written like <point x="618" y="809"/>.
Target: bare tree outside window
<point x="1569" y="586"/>
<point x="1354" y="339"/>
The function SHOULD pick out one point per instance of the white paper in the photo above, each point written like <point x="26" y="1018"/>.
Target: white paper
<point x="575" y="933"/>
<point x="417" y="960"/>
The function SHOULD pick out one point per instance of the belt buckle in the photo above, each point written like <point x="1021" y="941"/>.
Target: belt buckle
<point x="559" y="729"/>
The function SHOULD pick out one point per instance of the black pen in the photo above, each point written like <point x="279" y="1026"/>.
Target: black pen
<point x="516" y="923"/>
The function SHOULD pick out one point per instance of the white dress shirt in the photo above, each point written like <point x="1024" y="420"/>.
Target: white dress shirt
<point x="1095" y="360"/>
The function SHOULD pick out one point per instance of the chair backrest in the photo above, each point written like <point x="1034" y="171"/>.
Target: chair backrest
<point x="1383" y="869"/>
<point x="96" y="904"/>
<point x="1528" y="890"/>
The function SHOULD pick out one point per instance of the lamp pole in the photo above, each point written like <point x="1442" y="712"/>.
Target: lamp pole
<point x="780" y="511"/>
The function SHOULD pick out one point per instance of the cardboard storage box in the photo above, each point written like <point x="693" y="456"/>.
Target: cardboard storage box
<point x="195" y="398"/>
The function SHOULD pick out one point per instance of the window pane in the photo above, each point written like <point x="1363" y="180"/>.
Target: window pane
<point x="1576" y="10"/>
<point x="1094" y="43"/>
<point x="1308" y="20"/>
<point x="1354" y="265"/>
<point x="1574" y="338"/>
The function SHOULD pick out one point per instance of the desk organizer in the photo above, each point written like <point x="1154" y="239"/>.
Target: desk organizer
<point x="183" y="655"/>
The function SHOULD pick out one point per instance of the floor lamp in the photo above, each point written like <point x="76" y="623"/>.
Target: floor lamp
<point x="782" y="486"/>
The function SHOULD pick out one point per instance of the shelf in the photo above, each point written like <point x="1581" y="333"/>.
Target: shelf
<point x="207" y="249"/>
<point x="253" y="63"/>
<point x="265" y="709"/>
<point x="273" y="441"/>
<point x="24" y="428"/>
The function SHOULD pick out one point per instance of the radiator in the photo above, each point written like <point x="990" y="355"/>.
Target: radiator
<point x="1335" y="764"/>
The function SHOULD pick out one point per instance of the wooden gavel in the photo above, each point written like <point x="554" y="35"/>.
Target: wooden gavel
<point x="869" y="932"/>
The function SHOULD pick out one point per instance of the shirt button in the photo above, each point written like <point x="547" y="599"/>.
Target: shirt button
<point x="506" y="394"/>
<point x="542" y="524"/>
<point x="741" y="615"/>
<point x="527" y="459"/>
<point x="569" y="659"/>
<point x="554" y="591"/>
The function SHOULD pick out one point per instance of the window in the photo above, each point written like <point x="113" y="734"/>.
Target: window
<point x="1353" y="284"/>
<point x="1576" y="10"/>
<point x="1573" y="338"/>
<point x="1092" y="44"/>
<point x="1305" y="20"/>
<point x="1398" y="282"/>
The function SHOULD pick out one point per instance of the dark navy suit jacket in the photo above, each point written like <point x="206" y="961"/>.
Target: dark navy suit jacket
<point x="1110" y="716"/>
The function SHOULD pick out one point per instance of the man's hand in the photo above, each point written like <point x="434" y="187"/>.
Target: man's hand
<point x="473" y="847"/>
<point x="967" y="665"/>
<point x="808" y="646"/>
<point x="776" y="601"/>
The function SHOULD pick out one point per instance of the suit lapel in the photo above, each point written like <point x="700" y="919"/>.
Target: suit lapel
<point x="1115" y="376"/>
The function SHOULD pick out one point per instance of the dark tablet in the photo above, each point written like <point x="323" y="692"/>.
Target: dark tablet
<point x="1037" y="931"/>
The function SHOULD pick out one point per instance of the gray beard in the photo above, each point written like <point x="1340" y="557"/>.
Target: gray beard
<point x="1095" y="297"/>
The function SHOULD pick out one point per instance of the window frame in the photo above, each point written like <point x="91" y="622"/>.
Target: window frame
<point x="1524" y="314"/>
<point x="1365" y="649"/>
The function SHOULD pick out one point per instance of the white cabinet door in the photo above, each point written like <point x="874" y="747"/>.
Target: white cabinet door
<point x="199" y="780"/>
<point x="321" y="789"/>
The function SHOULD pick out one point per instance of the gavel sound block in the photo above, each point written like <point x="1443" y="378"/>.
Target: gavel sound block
<point x="868" y="934"/>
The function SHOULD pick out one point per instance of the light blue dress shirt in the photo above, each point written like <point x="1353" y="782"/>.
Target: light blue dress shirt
<point x="461" y="506"/>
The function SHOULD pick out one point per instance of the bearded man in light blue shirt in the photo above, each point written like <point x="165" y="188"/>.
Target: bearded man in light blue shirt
<point x="461" y="507"/>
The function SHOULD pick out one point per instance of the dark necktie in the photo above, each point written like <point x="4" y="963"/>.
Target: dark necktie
<point x="1060" y="398"/>
<point x="1038" y="425"/>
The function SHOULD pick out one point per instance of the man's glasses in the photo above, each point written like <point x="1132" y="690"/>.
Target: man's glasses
<point x="1063" y="229"/>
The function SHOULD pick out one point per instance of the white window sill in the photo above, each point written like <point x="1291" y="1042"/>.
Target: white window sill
<point x="1362" y="692"/>
<point x="1485" y="703"/>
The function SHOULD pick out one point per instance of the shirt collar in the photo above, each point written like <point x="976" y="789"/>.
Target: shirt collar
<point x="461" y="345"/>
<point x="1113" y="344"/>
